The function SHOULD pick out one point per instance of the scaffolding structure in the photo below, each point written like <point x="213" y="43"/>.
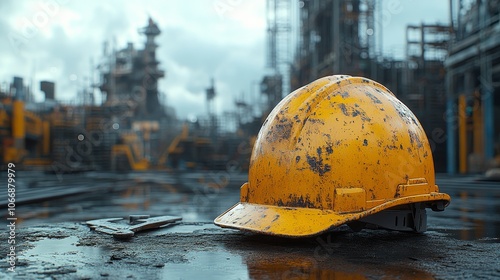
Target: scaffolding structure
<point x="423" y="88"/>
<point x="473" y="102"/>
<point x="277" y="83"/>
<point x="336" y="37"/>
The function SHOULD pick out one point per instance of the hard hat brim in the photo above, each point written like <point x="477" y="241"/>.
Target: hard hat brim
<point x="304" y="222"/>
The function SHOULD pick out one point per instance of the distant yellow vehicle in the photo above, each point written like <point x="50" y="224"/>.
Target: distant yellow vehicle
<point x="24" y="135"/>
<point x="128" y="155"/>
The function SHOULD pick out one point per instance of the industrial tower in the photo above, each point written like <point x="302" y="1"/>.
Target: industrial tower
<point x="130" y="76"/>
<point x="277" y="82"/>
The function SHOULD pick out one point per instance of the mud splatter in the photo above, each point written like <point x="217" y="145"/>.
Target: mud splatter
<point x="391" y="147"/>
<point x="329" y="149"/>
<point x="373" y="98"/>
<point x="280" y="131"/>
<point x="351" y="112"/>
<point x="316" y="163"/>
<point x="406" y="114"/>
<point x="299" y="201"/>
<point x="415" y="139"/>
<point x="316" y="121"/>
<point x="344" y="109"/>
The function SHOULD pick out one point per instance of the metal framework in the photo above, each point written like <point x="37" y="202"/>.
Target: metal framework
<point x="279" y="29"/>
<point x="473" y="103"/>
<point x="336" y="37"/>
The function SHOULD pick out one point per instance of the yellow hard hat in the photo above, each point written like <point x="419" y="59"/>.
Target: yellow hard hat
<point x="341" y="150"/>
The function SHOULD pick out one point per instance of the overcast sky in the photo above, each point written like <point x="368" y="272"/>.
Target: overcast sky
<point x="225" y="39"/>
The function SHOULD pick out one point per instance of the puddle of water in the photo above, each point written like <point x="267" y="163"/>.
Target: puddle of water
<point x="52" y="253"/>
<point x="293" y="267"/>
<point x="472" y="215"/>
<point x="479" y="230"/>
<point x="207" y="265"/>
<point x="194" y="203"/>
<point x="225" y="265"/>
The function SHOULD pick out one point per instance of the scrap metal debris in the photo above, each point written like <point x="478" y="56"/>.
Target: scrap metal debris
<point x="120" y="230"/>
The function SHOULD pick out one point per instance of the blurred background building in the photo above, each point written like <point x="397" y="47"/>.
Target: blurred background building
<point x="473" y="75"/>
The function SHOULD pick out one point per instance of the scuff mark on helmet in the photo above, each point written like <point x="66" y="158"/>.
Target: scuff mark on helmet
<point x="373" y="98"/>
<point x="415" y="139"/>
<point x="344" y="109"/>
<point x="299" y="201"/>
<point x="316" y="163"/>
<point x="329" y="148"/>
<point x="315" y="121"/>
<point x="275" y="218"/>
<point x="353" y="112"/>
<point x="281" y="131"/>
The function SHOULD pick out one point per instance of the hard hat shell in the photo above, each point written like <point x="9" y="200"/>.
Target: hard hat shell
<point x="332" y="152"/>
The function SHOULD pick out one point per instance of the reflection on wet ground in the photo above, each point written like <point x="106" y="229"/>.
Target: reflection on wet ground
<point x="216" y="265"/>
<point x="214" y="253"/>
<point x="474" y="213"/>
<point x="198" y="248"/>
<point x="46" y="253"/>
<point x="341" y="254"/>
<point x="197" y="197"/>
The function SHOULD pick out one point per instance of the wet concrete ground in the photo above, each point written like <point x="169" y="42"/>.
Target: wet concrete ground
<point x="54" y="243"/>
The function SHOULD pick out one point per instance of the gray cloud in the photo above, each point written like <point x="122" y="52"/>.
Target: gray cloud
<point x="196" y="44"/>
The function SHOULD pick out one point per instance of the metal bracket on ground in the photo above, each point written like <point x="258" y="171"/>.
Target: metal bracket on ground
<point x="135" y="224"/>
